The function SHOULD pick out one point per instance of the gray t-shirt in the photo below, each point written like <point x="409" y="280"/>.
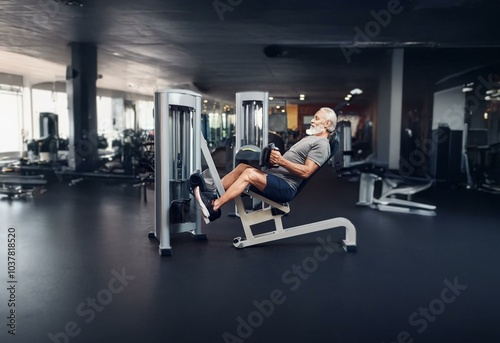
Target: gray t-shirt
<point x="313" y="147"/>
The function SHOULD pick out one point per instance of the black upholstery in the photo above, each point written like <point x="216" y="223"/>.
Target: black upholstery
<point x="277" y="140"/>
<point x="334" y="145"/>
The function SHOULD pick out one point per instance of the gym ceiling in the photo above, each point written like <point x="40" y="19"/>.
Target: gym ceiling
<point x="218" y="47"/>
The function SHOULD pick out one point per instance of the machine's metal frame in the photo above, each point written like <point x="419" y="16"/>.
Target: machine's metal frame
<point x="165" y="131"/>
<point x="275" y="211"/>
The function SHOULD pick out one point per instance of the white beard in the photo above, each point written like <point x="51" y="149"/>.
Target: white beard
<point x="314" y="130"/>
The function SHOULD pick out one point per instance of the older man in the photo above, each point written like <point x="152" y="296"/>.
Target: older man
<point x="278" y="184"/>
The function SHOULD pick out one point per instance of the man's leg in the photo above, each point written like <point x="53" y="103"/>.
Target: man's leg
<point x="230" y="178"/>
<point x="249" y="176"/>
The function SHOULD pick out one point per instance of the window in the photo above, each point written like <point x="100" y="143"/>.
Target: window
<point x="105" y="116"/>
<point x="11" y="114"/>
<point x="145" y="117"/>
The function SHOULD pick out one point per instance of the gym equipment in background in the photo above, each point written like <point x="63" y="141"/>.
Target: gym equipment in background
<point x="48" y="144"/>
<point x="397" y="190"/>
<point x="19" y="186"/>
<point x="252" y="123"/>
<point x="252" y="127"/>
<point x="446" y="155"/>
<point x="343" y="155"/>
<point x="394" y="187"/>
<point x="448" y="125"/>
<point x="177" y="154"/>
<point x="278" y="131"/>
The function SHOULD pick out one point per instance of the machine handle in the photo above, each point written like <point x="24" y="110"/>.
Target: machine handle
<point x="266" y="155"/>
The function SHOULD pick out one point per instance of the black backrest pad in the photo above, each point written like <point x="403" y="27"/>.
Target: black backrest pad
<point x="334" y="145"/>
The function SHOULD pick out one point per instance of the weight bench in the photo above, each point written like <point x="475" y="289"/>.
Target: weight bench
<point x="16" y="186"/>
<point x="274" y="211"/>
<point x="394" y="188"/>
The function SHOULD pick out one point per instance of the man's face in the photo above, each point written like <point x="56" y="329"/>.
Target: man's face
<point x="318" y="124"/>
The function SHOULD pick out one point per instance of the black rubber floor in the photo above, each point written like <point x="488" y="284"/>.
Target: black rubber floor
<point x="86" y="272"/>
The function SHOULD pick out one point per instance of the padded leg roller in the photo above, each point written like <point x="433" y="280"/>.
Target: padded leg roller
<point x="197" y="180"/>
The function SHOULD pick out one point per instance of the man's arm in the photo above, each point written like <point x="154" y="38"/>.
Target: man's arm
<point x="301" y="170"/>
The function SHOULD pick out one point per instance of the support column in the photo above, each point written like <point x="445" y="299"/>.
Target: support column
<point x="390" y="102"/>
<point x="81" y="78"/>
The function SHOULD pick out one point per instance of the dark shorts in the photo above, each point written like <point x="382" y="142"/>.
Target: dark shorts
<point x="277" y="189"/>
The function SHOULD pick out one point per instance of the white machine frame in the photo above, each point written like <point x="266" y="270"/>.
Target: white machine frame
<point x="275" y="211"/>
<point x="387" y="200"/>
<point x="164" y="157"/>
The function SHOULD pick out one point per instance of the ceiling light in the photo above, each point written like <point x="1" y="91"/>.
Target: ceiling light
<point x="347" y="98"/>
<point x="271" y="98"/>
<point x="205" y="101"/>
<point x="496" y="93"/>
<point x="356" y="91"/>
<point x="485" y="115"/>
<point x="283" y="111"/>
<point x="302" y="96"/>
<point x="468" y="87"/>
<point x="70" y="2"/>
<point x="487" y="98"/>
<point x="277" y="106"/>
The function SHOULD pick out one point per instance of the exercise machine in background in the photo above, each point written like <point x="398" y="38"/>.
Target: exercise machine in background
<point x="396" y="191"/>
<point x="18" y="183"/>
<point x="21" y="186"/>
<point x="177" y="154"/>
<point x="252" y="128"/>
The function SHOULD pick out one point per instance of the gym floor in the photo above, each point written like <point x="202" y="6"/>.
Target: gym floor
<point x="87" y="272"/>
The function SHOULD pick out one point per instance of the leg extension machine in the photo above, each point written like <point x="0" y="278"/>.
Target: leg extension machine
<point x="275" y="211"/>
